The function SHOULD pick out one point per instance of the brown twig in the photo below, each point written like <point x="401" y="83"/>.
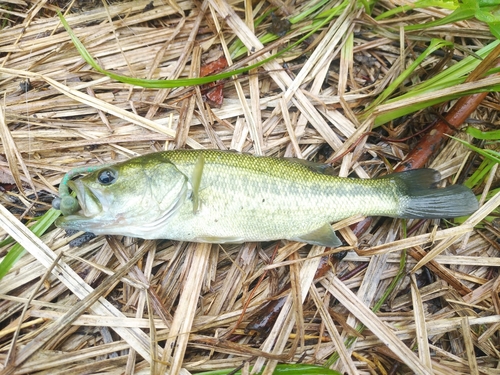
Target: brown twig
<point x="462" y="109"/>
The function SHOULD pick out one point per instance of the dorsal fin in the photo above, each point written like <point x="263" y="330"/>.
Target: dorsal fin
<point x="313" y="166"/>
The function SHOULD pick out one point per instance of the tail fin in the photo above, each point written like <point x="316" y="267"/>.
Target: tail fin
<point x="423" y="200"/>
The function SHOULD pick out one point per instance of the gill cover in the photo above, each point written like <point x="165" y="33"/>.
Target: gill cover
<point x="133" y="197"/>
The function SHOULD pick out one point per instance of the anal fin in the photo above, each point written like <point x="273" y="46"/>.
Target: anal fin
<point x="323" y="236"/>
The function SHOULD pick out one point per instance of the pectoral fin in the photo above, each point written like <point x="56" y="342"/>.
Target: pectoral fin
<point x="196" y="182"/>
<point x="323" y="236"/>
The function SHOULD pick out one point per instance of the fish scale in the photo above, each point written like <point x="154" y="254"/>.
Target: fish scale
<point x="289" y="210"/>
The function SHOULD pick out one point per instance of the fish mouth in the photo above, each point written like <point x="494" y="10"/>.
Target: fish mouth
<point x="90" y="200"/>
<point x="91" y="206"/>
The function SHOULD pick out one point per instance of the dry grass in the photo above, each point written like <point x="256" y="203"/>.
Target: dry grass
<point x="121" y="305"/>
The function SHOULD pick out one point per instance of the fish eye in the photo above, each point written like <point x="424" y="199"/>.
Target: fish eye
<point x="107" y="176"/>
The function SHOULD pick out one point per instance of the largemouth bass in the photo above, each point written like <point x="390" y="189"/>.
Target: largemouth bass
<point x="227" y="197"/>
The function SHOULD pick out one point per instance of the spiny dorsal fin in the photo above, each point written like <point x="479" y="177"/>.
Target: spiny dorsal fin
<point x="314" y="166"/>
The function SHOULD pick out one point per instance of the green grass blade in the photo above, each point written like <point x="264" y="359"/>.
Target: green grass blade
<point x="306" y="13"/>
<point x="489" y="154"/>
<point x="434" y="45"/>
<point x="148" y="83"/>
<point x="283" y="369"/>
<point x="39" y="228"/>
<point x="445" y="4"/>
<point x="491" y="157"/>
<point x="172" y="83"/>
<point x="476" y="133"/>
<point x="238" y="49"/>
<point x="479" y="174"/>
<point x="450" y="77"/>
<point x="460" y="14"/>
<point x="453" y="75"/>
<point x="385" y="117"/>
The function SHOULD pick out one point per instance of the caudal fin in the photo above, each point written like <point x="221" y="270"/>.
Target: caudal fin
<point x="423" y="200"/>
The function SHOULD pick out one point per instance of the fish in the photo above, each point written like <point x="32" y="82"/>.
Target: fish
<point x="215" y="196"/>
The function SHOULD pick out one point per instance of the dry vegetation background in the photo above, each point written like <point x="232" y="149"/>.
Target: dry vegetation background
<point x="128" y="306"/>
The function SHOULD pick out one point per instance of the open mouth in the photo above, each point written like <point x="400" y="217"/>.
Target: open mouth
<point x="80" y="212"/>
<point x="88" y="202"/>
